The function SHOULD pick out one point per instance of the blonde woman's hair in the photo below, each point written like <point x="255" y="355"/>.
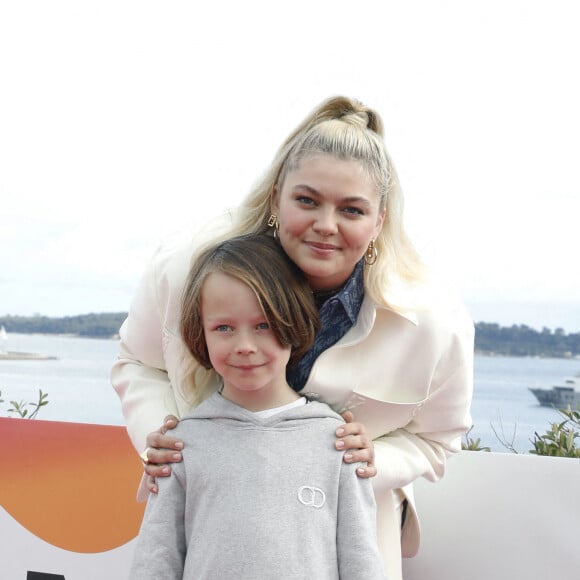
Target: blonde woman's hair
<point x="348" y="130"/>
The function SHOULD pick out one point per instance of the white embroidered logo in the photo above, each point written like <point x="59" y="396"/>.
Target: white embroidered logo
<point x="311" y="496"/>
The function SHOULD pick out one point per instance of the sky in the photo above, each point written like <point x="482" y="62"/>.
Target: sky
<point x="124" y="122"/>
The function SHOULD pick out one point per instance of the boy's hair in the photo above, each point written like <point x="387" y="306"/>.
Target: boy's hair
<point x="279" y="285"/>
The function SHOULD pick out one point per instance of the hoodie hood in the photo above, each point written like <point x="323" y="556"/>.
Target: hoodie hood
<point x="219" y="408"/>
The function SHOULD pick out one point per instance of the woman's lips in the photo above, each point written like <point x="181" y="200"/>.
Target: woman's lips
<point x="321" y="248"/>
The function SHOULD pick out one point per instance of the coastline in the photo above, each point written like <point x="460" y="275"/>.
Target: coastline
<point x="12" y="355"/>
<point x="497" y="354"/>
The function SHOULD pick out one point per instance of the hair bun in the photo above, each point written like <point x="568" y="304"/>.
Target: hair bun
<point x="358" y="118"/>
<point x="362" y="116"/>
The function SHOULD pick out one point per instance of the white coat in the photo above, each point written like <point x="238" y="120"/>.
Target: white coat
<point x="407" y="377"/>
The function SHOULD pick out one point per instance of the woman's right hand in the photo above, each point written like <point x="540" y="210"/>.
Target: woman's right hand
<point x="161" y="450"/>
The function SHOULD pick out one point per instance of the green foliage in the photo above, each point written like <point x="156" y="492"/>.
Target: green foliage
<point x="104" y="325"/>
<point x="20" y="409"/>
<point x="471" y="444"/>
<point x="561" y="439"/>
<point x="521" y="340"/>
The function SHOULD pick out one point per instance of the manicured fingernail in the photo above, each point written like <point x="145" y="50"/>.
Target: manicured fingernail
<point x="348" y="457"/>
<point x="339" y="444"/>
<point x="340" y="432"/>
<point x="179" y="445"/>
<point x="165" y="471"/>
<point x="360" y="471"/>
<point x="177" y="456"/>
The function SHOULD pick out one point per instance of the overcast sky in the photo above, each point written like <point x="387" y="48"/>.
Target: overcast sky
<point x="121" y="122"/>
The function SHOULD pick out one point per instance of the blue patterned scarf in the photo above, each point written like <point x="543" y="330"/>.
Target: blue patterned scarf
<point x="338" y="313"/>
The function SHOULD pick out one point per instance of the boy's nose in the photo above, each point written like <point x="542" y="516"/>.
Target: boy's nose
<point x="245" y="344"/>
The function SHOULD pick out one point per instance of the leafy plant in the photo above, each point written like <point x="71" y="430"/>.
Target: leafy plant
<point x="560" y="439"/>
<point x="471" y="444"/>
<point x="507" y="442"/>
<point x="20" y="408"/>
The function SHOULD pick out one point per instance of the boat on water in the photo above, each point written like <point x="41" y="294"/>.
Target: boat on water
<point x="560" y="396"/>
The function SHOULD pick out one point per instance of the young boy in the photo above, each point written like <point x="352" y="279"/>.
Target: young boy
<point x="261" y="492"/>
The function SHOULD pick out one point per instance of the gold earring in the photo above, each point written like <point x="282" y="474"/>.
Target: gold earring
<point x="274" y="223"/>
<point x="371" y="254"/>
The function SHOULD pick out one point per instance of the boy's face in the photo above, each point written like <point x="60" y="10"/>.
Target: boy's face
<point x="242" y="347"/>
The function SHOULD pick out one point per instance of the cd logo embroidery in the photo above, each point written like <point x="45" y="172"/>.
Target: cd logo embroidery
<point x="311" y="496"/>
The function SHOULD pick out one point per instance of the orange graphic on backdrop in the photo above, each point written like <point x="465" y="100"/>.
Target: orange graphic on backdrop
<point x="71" y="484"/>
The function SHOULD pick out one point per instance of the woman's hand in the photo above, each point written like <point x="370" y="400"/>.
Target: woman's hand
<point x="161" y="450"/>
<point x="353" y="438"/>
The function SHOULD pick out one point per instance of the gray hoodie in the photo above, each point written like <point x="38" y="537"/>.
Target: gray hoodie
<point x="259" y="499"/>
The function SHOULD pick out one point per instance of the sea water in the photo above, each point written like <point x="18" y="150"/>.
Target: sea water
<point x="79" y="390"/>
<point x="504" y="409"/>
<point x="77" y="382"/>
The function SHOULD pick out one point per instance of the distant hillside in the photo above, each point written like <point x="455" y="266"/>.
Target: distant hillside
<point x="104" y="325"/>
<point x="490" y="338"/>
<point x="521" y="340"/>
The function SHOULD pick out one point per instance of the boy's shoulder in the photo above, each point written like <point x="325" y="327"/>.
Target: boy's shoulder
<point x="321" y="407"/>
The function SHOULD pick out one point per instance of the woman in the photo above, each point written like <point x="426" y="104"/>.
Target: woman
<point x="391" y="350"/>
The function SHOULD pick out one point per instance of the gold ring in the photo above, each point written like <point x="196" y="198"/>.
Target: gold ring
<point x="144" y="456"/>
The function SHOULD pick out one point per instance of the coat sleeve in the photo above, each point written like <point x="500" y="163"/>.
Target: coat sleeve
<point x="356" y="536"/>
<point x="161" y="545"/>
<point x="139" y="375"/>
<point x="144" y="372"/>
<point x="434" y="433"/>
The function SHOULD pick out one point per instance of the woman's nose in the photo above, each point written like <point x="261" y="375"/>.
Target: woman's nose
<point x="325" y="223"/>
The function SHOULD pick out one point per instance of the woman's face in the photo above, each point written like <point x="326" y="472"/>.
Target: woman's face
<point x="328" y="210"/>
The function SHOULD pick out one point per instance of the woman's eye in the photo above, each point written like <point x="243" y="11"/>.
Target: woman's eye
<point x="353" y="210"/>
<point x="263" y="326"/>
<point x="223" y="328"/>
<point x="304" y="200"/>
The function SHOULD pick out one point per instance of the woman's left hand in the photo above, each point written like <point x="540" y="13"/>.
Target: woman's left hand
<point x="353" y="438"/>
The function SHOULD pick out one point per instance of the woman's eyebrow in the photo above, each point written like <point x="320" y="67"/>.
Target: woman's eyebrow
<point x="313" y="191"/>
<point x="308" y="188"/>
